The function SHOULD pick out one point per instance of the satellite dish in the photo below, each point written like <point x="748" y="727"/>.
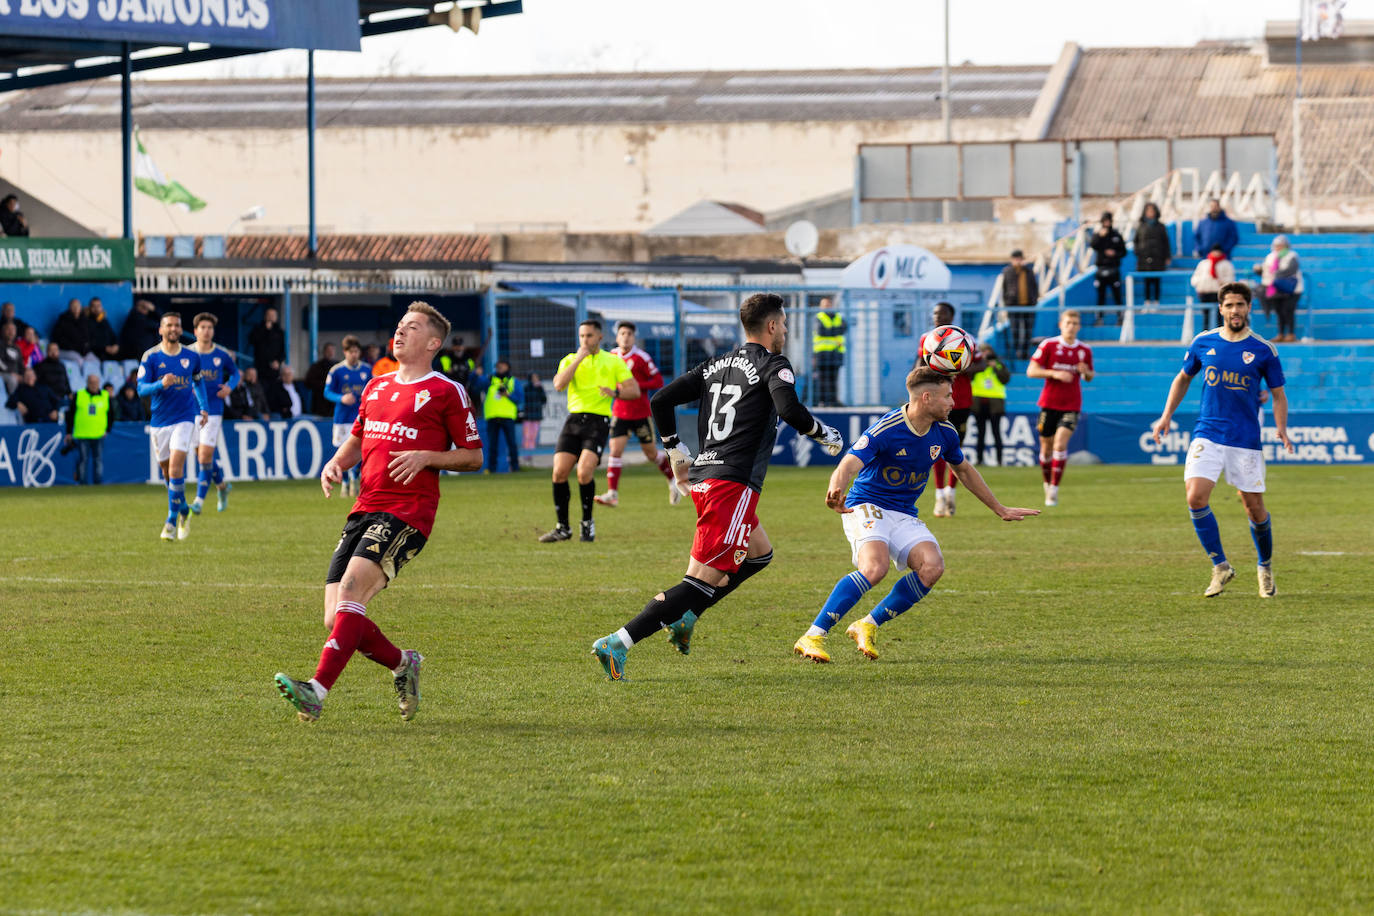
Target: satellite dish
<point x="801" y="238"/>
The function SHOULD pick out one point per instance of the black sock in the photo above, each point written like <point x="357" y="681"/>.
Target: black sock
<point x="588" y="491"/>
<point x="688" y="595"/>
<point x="562" y="493"/>
<point x="748" y="568"/>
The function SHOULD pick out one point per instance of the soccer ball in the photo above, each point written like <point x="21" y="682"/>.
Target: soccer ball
<point x="947" y="349"/>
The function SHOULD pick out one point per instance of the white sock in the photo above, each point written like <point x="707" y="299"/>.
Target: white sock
<point x="401" y="669"/>
<point x="623" y="635"/>
<point x="868" y="618"/>
<point x="321" y="691"/>
<point x="815" y="631"/>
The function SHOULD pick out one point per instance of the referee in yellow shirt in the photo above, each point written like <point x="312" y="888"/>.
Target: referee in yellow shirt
<point x="593" y="378"/>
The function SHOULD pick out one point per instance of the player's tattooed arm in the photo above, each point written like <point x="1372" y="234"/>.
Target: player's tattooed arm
<point x="968" y="475"/>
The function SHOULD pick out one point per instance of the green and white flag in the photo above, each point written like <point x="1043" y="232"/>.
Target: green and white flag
<point x="149" y="179"/>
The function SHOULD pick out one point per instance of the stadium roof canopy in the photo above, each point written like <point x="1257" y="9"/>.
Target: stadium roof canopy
<point x="47" y="43"/>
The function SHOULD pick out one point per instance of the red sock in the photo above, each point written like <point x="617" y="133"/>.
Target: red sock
<point x="613" y="474"/>
<point x="953" y="481"/>
<point x="377" y="647"/>
<point x="1045" y="470"/>
<point x="665" y="467"/>
<point x="349" y="627"/>
<point x="939" y="467"/>
<point x="1057" y="471"/>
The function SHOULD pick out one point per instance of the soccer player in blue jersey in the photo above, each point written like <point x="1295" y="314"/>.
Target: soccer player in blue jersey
<point x="889" y="466"/>
<point x="220" y="376"/>
<point x="343" y="387"/>
<point x="1234" y="362"/>
<point x="169" y="374"/>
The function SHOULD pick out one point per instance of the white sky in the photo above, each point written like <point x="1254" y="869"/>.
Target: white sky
<point x="647" y="35"/>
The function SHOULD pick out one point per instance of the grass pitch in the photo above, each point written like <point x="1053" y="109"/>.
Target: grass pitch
<point x="1065" y="724"/>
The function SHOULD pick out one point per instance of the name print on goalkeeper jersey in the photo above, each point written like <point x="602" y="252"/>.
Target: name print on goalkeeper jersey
<point x="737" y="422"/>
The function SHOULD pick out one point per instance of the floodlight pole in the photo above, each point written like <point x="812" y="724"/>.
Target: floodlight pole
<point x="314" y="237"/>
<point x="944" y="108"/>
<point x="126" y="130"/>
<point x="1297" y="128"/>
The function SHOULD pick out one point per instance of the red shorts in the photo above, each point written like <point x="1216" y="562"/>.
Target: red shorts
<point x="726" y="516"/>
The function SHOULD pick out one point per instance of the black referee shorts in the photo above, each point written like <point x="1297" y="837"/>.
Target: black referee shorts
<point x="584" y="432"/>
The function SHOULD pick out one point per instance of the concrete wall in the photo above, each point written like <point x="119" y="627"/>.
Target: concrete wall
<point x="591" y="178"/>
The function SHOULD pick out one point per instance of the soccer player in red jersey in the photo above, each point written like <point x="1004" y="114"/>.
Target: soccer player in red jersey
<point x="1063" y="362"/>
<point x="632" y="415"/>
<point x="945" y="481"/>
<point x="412" y="424"/>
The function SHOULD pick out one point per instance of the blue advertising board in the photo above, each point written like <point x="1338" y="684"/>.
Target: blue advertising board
<point x="268" y="24"/>
<point x="30" y="455"/>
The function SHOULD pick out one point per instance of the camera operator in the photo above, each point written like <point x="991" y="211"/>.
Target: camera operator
<point x="501" y="407"/>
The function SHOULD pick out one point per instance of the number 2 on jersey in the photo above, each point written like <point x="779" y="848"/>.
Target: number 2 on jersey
<point x="723" y="415"/>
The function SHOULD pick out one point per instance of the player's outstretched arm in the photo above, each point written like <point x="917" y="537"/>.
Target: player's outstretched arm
<point x="627" y="390"/>
<point x="1177" y="390"/>
<point x="968" y="475"/>
<point x="685" y="389"/>
<point x="1281" y="417"/>
<point x="348" y="455"/>
<point x="840" y="479"/>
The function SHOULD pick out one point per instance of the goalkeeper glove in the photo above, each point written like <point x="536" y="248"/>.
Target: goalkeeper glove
<point x="677" y="452"/>
<point x="829" y="438"/>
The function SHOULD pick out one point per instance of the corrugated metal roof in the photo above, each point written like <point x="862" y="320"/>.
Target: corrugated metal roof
<point x="821" y="95"/>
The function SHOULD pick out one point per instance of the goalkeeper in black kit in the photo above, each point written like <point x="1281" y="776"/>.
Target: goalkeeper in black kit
<point x="740" y="396"/>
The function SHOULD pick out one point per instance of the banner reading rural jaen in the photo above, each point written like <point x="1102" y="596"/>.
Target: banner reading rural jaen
<point x="66" y="259"/>
<point x="320" y="24"/>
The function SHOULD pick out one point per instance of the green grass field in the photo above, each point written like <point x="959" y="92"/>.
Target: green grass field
<point x="1064" y="725"/>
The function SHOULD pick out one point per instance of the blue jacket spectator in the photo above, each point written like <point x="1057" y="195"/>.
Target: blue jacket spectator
<point x="35" y="402"/>
<point x="1215" y="230"/>
<point x="128" y="406"/>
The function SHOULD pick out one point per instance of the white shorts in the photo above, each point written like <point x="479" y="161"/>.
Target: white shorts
<point x="207" y="435"/>
<point x="898" y="530"/>
<point x="341" y="433"/>
<point x="1244" y="467"/>
<point x="174" y="438"/>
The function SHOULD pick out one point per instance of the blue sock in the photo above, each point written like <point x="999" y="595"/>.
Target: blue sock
<point x="843" y="596"/>
<point x="202" y="485"/>
<point x="216" y="473"/>
<point x="907" y="591"/>
<point x="1264" y="540"/>
<point x="179" y="493"/>
<point x="1209" y="533"/>
<point x="172" y="498"/>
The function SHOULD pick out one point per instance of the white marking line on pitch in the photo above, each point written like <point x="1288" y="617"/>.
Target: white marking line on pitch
<point x="56" y="580"/>
<point x="1321" y="553"/>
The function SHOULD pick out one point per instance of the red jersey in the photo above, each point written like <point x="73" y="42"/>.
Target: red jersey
<point x="648" y="378"/>
<point x="432" y="413"/>
<point x="1054" y="353"/>
<point x="962" y="391"/>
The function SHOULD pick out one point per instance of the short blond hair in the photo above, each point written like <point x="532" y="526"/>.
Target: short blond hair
<point x="441" y="325"/>
<point x="1071" y="313"/>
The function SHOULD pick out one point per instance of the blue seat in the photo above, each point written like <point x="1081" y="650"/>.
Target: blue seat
<point x="112" y="371"/>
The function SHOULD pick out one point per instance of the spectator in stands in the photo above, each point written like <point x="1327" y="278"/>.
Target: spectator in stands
<point x="87" y="423"/>
<point x="248" y="401"/>
<point x="7" y="314"/>
<point x="268" y="341"/>
<point x="30" y="347"/>
<point x="128" y="406"/>
<point x="286" y="396"/>
<point x="1215" y="230"/>
<point x="12" y="221"/>
<point x="1211" y="274"/>
<point x="504" y="396"/>
<point x="1019" y="288"/>
<point x="12" y="363"/>
<point x="455" y="363"/>
<point x="1281" y="279"/>
<point x="372" y="353"/>
<point x="140" y="331"/>
<point x="35" y="401"/>
<point x="532" y="414"/>
<point x="386" y="363"/>
<point x="827" y="355"/>
<point x="100" y="335"/>
<point x="69" y="333"/>
<point x="316" y="377"/>
<point x="1110" y="247"/>
<point x="1151" y="250"/>
<point x="52" y="372"/>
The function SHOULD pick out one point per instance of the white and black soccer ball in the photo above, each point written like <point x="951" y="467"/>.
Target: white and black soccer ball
<point x="947" y="349"/>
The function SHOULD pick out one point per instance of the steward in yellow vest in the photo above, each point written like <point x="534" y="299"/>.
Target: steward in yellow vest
<point x="827" y="348"/>
<point x="990" y="401"/>
<point x="88" y="420"/>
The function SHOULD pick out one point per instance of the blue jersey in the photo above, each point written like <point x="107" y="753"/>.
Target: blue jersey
<point x="341" y="381"/>
<point x="184" y="398"/>
<point x="1232" y="372"/>
<point x="217" y="368"/>
<point x="897" y="461"/>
